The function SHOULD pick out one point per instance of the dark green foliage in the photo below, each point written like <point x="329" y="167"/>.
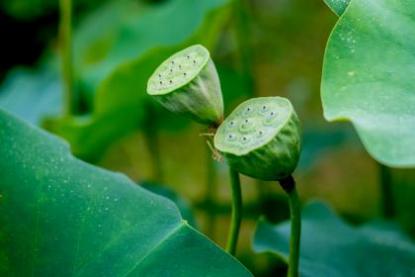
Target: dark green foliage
<point x="331" y="247"/>
<point x="61" y="216"/>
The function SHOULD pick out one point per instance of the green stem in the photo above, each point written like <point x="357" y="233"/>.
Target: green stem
<point x="210" y="194"/>
<point x="243" y="33"/>
<point x="65" y="37"/>
<point x="236" y="212"/>
<point x="288" y="184"/>
<point x="388" y="205"/>
<point x="152" y="140"/>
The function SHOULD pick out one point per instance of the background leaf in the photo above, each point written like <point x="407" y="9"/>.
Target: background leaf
<point x="121" y="79"/>
<point x="127" y="29"/>
<point x="61" y="216"/>
<point x="337" y="6"/>
<point x="32" y="94"/>
<point x="368" y="77"/>
<point x="330" y="247"/>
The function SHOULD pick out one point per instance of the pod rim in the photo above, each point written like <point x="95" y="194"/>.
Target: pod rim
<point x="226" y="150"/>
<point x="189" y="78"/>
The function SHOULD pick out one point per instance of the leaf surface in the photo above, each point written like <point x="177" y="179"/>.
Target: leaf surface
<point x="32" y="94"/>
<point x="330" y="247"/>
<point x="368" y="73"/>
<point x="119" y="71"/>
<point x="337" y="6"/>
<point x="61" y="216"/>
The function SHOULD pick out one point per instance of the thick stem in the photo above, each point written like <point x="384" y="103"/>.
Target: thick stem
<point x="236" y="212"/>
<point x="153" y="144"/>
<point x="65" y="37"/>
<point x="388" y="205"/>
<point x="210" y="194"/>
<point x="288" y="184"/>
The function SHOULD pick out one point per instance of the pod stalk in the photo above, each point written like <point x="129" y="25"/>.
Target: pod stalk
<point x="236" y="212"/>
<point x="288" y="185"/>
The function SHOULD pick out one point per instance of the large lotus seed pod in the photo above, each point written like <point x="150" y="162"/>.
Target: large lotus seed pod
<point x="261" y="138"/>
<point x="188" y="83"/>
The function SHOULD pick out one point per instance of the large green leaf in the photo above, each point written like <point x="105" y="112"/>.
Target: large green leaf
<point x="368" y="74"/>
<point x="330" y="247"/>
<point x="61" y="216"/>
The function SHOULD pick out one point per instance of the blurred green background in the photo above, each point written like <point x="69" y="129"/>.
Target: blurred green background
<point x="262" y="48"/>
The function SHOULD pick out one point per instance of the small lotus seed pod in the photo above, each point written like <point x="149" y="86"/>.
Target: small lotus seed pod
<point x="188" y="83"/>
<point x="261" y="138"/>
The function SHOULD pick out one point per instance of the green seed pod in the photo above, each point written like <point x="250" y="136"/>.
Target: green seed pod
<point x="261" y="138"/>
<point x="188" y="83"/>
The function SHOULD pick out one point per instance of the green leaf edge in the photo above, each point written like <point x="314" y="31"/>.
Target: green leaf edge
<point x="62" y="145"/>
<point x="341" y="118"/>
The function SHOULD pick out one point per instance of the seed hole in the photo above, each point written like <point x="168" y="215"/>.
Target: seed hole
<point x="246" y="121"/>
<point x="194" y="61"/>
<point x="231" y="137"/>
<point x="264" y="108"/>
<point x="188" y="57"/>
<point x="171" y="82"/>
<point x="184" y="73"/>
<point x="161" y="82"/>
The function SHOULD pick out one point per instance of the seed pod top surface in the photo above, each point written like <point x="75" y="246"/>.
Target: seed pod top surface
<point x="261" y="138"/>
<point x="253" y="124"/>
<point x="178" y="70"/>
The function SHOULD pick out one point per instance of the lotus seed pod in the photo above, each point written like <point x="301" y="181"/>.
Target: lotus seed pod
<point x="188" y="83"/>
<point x="261" y="138"/>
